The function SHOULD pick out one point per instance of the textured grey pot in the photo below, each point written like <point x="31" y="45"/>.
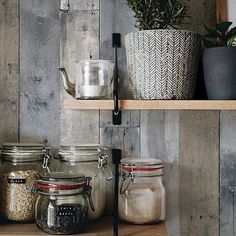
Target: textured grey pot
<point x="162" y="64"/>
<point x="219" y="67"/>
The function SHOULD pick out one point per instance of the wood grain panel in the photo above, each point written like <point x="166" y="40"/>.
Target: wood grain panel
<point x="101" y="227"/>
<point x="227" y="211"/>
<point x="227" y="173"/>
<point x="227" y="148"/>
<point x="116" y="17"/>
<point x="9" y="74"/>
<point x="159" y="138"/>
<point x="9" y="106"/>
<point x="130" y="118"/>
<point x="221" y="10"/>
<point x="39" y="77"/>
<point x="150" y="105"/>
<point x="199" y="173"/>
<point x="79" y="40"/>
<point x="201" y="11"/>
<point x="9" y="34"/>
<point x="79" y="5"/>
<point x="126" y="139"/>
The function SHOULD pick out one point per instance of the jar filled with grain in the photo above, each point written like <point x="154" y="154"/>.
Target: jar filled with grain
<point x="62" y="203"/>
<point x="142" y="197"/>
<point x="89" y="160"/>
<point x="21" y="164"/>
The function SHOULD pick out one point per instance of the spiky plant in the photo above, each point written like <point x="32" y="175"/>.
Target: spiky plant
<point x="158" y="14"/>
<point x="222" y="36"/>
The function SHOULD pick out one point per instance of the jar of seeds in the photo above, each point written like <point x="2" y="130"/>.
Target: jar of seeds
<point x="142" y="197"/>
<point x="62" y="204"/>
<point x="89" y="160"/>
<point x="21" y="164"/>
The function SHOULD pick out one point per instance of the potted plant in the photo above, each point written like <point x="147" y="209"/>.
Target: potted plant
<point x="162" y="60"/>
<point x="219" y="61"/>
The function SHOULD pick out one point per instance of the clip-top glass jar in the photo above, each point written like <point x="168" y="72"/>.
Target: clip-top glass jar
<point x="89" y="160"/>
<point x="22" y="163"/>
<point x="142" y="195"/>
<point x="62" y="204"/>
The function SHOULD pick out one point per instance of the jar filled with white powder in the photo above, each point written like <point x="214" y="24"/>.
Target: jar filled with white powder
<point x="142" y="196"/>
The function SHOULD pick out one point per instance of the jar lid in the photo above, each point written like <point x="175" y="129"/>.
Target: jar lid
<point x="52" y="182"/>
<point x="23" y="152"/>
<point x="83" y="153"/>
<point x="141" y="165"/>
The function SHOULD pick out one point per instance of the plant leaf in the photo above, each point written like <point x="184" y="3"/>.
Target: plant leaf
<point x="223" y="27"/>
<point x="209" y="43"/>
<point x="231" y="33"/>
<point x="209" y="30"/>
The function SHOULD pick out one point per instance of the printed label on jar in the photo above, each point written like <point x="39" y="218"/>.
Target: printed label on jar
<point x="16" y="181"/>
<point x="67" y="210"/>
<point x="71" y="213"/>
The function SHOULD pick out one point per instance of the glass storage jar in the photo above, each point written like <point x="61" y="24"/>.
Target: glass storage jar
<point x="21" y="164"/>
<point x="89" y="160"/>
<point x="142" y="197"/>
<point x="94" y="79"/>
<point x="62" y="204"/>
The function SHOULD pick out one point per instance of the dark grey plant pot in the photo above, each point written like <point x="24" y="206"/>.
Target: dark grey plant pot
<point x="219" y="68"/>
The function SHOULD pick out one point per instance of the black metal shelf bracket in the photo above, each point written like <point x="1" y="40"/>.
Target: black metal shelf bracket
<point x="116" y="114"/>
<point x="116" y="157"/>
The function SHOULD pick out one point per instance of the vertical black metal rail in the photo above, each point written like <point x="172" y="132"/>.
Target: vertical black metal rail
<point x="116" y="156"/>
<point x="116" y="115"/>
<point x="116" y="112"/>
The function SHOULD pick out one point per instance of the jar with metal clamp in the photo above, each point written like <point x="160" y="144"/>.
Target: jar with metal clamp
<point x="89" y="160"/>
<point x="22" y="163"/>
<point x="142" y="197"/>
<point x="62" y="203"/>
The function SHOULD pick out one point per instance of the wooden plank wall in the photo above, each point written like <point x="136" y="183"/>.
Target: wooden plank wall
<point x="116" y="17"/>
<point x="199" y="173"/>
<point x="39" y="77"/>
<point x="159" y="138"/>
<point x="9" y="70"/>
<point x="79" y="40"/>
<point x="227" y="173"/>
<point x="159" y="130"/>
<point x="188" y="142"/>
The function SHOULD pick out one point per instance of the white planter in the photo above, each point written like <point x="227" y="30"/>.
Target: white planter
<point x="162" y="64"/>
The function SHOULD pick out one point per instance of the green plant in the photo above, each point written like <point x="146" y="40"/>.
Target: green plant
<point x="158" y="14"/>
<point x="221" y="36"/>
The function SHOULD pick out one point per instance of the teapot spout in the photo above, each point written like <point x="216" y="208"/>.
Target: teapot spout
<point x="69" y="87"/>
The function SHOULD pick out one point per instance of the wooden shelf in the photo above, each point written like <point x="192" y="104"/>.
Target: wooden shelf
<point x="102" y="227"/>
<point x="152" y="104"/>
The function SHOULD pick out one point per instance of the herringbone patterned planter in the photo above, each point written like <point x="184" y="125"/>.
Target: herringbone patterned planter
<point x="162" y="64"/>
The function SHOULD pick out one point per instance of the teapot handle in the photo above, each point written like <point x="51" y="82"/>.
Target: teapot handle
<point x="69" y="87"/>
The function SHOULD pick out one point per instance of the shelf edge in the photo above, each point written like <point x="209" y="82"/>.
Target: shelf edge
<point x="151" y="104"/>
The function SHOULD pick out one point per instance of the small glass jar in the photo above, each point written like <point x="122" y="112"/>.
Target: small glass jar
<point x="89" y="160"/>
<point x="142" y="197"/>
<point x="94" y="79"/>
<point x="21" y="164"/>
<point x="62" y="204"/>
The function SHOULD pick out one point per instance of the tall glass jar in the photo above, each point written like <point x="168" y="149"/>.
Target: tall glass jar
<point x="89" y="160"/>
<point x="22" y="163"/>
<point x="142" y="197"/>
<point x="62" y="204"/>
